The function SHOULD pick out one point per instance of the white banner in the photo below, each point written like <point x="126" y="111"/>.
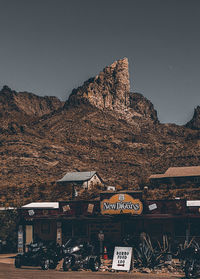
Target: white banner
<point x="122" y="258"/>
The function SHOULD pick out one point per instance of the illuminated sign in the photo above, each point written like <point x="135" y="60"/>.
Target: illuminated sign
<point x="120" y="204"/>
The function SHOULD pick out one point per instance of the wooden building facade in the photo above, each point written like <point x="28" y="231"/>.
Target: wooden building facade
<point x="176" y="177"/>
<point x="116" y="214"/>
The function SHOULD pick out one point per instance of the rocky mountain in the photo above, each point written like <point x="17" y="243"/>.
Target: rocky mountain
<point x="102" y="126"/>
<point x="18" y="109"/>
<point x="194" y="123"/>
<point x="110" y="89"/>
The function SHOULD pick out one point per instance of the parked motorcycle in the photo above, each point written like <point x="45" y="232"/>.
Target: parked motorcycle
<point x="52" y="254"/>
<point x="80" y="255"/>
<point x="38" y="254"/>
<point x="191" y="256"/>
<point x="32" y="257"/>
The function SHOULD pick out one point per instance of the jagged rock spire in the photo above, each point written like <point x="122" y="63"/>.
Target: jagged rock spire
<point x="109" y="89"/>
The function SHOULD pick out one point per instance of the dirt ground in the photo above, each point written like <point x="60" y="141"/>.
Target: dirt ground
<point x="8" y="271"/>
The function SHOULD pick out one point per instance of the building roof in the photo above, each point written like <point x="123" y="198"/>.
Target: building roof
<point x="178" y="172"/>
<point x="7" y="208"/>
<point x="77" y="176"/>
<point x="42" y="205"/>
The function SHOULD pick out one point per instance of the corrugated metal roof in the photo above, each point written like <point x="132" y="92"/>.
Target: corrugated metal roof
<point x="41" y="205"/>
<point x="179" y="172"/>
<point x="77" y="176"/>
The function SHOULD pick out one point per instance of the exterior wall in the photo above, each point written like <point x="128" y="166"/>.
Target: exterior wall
<point x="84" y="219"/>
<point x="45" y="230"/>
<point x="178" y="182"/>
<point x="92" y="182"/>
<point x="111" y="230"/>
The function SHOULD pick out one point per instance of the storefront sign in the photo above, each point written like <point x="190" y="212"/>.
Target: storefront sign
<point x="90" y="208"/>
<point x="122" y="258"/>
<point x="120" y="204"/>
<point x="152" y="206"/>
<point x="31" y="212"/>
<point x="45" y="212"/>
<point x="66" y="208"/>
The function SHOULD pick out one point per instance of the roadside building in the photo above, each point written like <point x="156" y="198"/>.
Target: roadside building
<point x="179" y="177"/>
<point x="117" y="214"/>
<point x="81" y="180"/>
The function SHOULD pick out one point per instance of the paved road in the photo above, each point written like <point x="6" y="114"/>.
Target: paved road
<point x="8" y="271"/>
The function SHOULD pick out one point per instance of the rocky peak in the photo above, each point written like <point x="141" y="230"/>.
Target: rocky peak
<point x="110" y="89"/>
<point x="194" y="123"/>
<point x="6" y="89"/>
<point x="27" y="103"/>
<point x="143" y="107"/>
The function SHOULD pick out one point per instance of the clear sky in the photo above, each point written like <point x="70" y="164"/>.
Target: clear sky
<point x="49" y="47"/>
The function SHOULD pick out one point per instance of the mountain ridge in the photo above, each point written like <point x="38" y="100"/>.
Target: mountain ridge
<point x="42" y="138"/>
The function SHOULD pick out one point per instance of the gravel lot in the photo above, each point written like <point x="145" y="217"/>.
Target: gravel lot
<point x="8" y="271"/>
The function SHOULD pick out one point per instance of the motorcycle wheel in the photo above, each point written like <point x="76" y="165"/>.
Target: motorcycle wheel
<point x="95" y="265"/>
<point x="189" y="268"/>
<point x="74" y="269"/>
<point x="52" y="265"/>
<point x="66" y="266"/>
<point x="18" y="263"/>
<point x="45" y="264"/>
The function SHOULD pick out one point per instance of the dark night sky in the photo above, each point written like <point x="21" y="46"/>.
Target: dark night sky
<point x="48" y="47"/>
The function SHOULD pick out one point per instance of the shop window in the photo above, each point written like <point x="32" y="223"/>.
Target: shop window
<point x="80" y="230"/>
<point x="45" y="228"/>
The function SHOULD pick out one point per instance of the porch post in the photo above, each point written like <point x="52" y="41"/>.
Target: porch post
<point x="20" y="246"/>
<point x="59" y="233"/>
<point x="187" y="230"/>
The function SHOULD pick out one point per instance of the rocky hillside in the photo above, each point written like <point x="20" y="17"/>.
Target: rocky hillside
<point x="194" y="123"/>
<point x="102" y="126"/>
<point x="19" y="109"/>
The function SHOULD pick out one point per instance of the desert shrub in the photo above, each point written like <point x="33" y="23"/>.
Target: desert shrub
<point x="148" y="256"/>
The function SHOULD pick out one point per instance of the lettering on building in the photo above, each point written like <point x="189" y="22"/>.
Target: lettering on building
<point x="121" y="203"/>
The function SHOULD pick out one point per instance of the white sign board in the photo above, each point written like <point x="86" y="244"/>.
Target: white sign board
<point x="152" y="206"/>
<point x="122" y="258"/>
